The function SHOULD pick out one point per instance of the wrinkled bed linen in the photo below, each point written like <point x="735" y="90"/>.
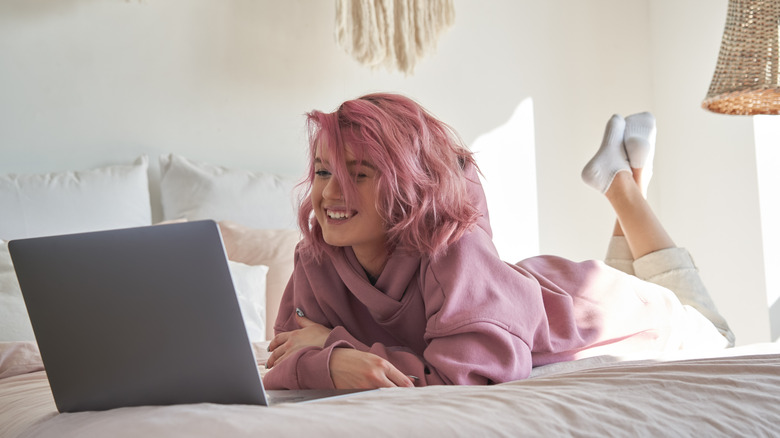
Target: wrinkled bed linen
<point x="732" y="393"/>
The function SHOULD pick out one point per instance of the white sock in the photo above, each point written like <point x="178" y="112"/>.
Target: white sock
<point x="639" y="140"/>
<point x="609" y="159"/>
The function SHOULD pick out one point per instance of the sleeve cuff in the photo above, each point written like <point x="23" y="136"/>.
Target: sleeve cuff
<point x="310" y="367"/>
<point x="313" y="371"/>
<point x="340" y="334"/>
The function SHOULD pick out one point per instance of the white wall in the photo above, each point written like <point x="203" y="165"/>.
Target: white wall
<point x="767" y="132"/>
<point x="706" y="177"/>
<point x="90" y="82"/>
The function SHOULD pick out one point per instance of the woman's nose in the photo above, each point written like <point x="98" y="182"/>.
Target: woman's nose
<point x="332" y="189"/>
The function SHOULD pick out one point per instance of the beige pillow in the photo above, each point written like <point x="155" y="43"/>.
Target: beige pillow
<point x="272" y="248"/>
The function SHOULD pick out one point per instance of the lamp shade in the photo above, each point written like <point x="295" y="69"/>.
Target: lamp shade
<point x="747" y="79"/>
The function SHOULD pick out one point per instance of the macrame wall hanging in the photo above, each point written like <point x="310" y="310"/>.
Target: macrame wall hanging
<point x="391" y="33"/>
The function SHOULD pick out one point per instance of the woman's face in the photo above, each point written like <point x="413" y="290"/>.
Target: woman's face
<point x="360" y="226"/>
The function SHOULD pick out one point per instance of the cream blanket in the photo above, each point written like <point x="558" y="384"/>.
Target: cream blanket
<point x="736" y="393"/>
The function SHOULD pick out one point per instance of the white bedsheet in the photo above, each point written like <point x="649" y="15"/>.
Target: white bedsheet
<point x="736" y="393"/>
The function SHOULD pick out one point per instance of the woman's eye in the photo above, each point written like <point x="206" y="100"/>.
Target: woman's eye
<point x="322" y="173"/>
<point x="360" y="174"/>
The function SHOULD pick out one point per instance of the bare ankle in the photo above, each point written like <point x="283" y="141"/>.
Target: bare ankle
<point x="638" y="178"/>
<point x="622" y="184"/>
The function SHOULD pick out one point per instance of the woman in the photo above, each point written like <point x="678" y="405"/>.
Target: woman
<point x="397" y="282"/>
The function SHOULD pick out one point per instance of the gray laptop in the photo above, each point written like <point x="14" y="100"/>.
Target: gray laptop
<point x="140" y="316"/>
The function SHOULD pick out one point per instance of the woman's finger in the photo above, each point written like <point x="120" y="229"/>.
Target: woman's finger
<point x="398" y="378"/>
<point x="304" y="321"/>
<point x="276" y="356"/>
<point x="278" y="340"/>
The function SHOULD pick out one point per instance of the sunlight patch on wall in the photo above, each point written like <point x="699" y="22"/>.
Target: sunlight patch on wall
<point x="507" y="157"/>
<point x="767" y="137"/>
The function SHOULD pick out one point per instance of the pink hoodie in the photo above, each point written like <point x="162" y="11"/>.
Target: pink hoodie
<point x="466" y="317"/>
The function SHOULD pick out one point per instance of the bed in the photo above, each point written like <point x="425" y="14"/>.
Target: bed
<point x="733" y="392"/>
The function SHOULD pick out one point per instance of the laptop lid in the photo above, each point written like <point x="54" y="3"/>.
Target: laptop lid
<point x="137" y="316"/>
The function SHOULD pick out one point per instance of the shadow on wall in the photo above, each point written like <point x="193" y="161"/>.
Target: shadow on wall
<point x="507" y="157"/>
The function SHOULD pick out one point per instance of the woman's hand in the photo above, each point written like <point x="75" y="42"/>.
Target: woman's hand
<point x="351" y="368"/>
<point x="310" y="334"/>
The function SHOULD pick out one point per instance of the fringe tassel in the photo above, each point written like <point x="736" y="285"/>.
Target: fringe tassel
<point x="391" y="33"/>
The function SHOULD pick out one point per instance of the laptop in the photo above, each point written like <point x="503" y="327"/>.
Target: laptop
<point x="141" y="316"/>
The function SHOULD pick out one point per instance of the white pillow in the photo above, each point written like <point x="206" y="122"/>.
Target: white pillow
<point x="72" y="202"/>
<point x="249" y="282"/>
<point x="14" y="323"/>
<point x="194" y="190"/>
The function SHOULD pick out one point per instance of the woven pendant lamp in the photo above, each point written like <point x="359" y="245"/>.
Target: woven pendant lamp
<point x="747" y="76"/>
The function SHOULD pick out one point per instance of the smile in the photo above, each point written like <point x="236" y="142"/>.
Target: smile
<point x="340" y="214"/>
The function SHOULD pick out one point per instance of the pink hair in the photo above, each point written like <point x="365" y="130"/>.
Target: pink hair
<point x="420" y="161"/>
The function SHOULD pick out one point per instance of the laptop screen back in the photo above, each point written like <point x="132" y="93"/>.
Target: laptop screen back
<point x="139" y="316"/>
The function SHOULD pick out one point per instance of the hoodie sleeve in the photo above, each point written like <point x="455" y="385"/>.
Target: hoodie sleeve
<point x="479" y="355"/>
<point x="309" y="367"/>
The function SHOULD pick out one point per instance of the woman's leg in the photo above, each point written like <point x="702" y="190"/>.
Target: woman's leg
<point x="674" y="269"/>
<point x="639" y="144"/>
<point x="636" y="220"/>
<point x="619" y="254"/>
<point x="657" y="258"/>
